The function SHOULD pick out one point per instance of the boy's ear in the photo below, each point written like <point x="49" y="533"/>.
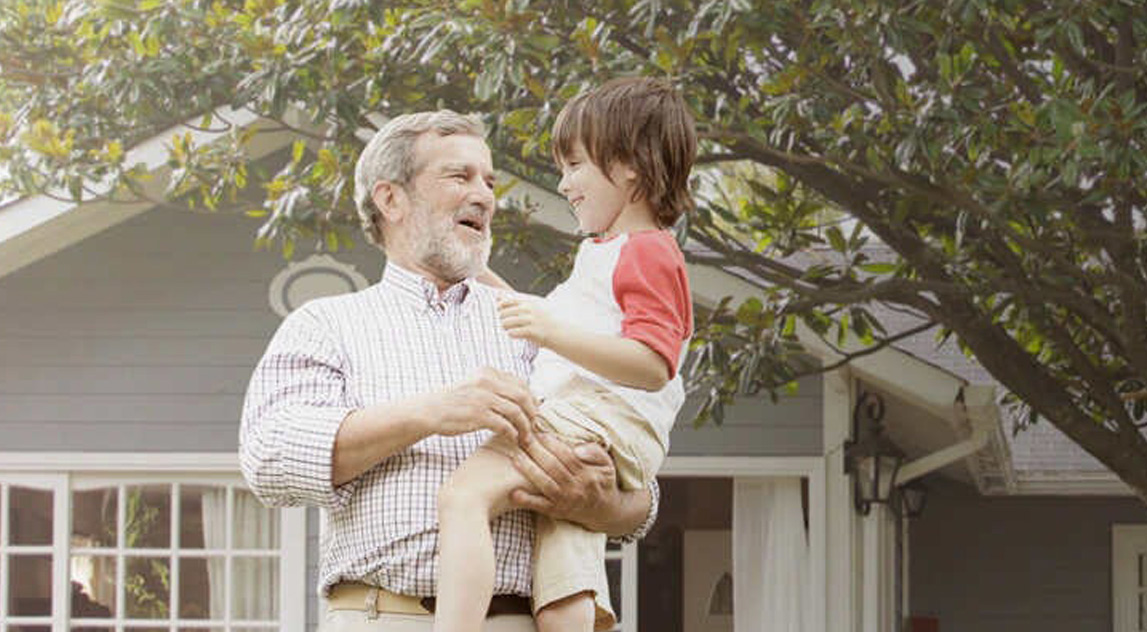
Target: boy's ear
<point x="628" y="173"/>
<point x="390" y="200"/>
<point x="629" y="176"/>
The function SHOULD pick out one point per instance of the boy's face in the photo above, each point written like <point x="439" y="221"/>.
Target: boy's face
<point x="597" y="200"/>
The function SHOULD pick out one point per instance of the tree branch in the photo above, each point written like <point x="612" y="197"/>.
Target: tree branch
<point x="1027" y="87"/>
<point x="877" y="346"/>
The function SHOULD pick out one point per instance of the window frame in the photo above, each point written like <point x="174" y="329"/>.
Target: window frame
<point x="64" y="473"/>
<point x="1128" y="541"/>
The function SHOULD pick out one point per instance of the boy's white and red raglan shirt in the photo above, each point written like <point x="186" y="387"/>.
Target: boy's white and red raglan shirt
<point x="633" y="286"/>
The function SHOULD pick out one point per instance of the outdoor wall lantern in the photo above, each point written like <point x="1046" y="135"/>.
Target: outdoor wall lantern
<point x="870" y="458"/>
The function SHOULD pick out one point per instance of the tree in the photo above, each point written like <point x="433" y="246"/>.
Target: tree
<point x="996" y="146"/>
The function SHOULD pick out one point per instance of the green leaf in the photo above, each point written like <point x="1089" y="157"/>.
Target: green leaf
<point x="836" y="238"/>
<point x="879" y="268"/>
<point x="749" y="311"/>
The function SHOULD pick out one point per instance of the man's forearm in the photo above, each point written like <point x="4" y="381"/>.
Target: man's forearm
<point x="626" y="514"/>
<point x="369" y="435"/>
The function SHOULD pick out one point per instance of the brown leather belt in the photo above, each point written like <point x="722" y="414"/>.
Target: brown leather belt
<point x="373" y="600"/>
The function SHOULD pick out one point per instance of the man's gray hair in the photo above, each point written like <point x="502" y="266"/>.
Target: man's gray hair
<point x="389" y="157"/>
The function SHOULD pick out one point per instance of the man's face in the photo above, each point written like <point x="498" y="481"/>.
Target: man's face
<point x="451" y="198"/>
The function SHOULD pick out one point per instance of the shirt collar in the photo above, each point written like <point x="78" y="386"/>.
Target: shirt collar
<point x="423" y="291"/>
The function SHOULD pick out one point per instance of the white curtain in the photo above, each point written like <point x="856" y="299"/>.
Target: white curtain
<point x="254" y="580"/>
<point x="214" y="509"/>
<point x="770" y="556"/>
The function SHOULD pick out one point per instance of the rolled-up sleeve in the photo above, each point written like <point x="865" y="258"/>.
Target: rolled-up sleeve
<point x="650" y="518"/>
<point x="294" y="406"/>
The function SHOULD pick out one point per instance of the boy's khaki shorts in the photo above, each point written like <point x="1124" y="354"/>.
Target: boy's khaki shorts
<point x="567" y="558"/>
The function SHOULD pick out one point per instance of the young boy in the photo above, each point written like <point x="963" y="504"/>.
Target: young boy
<point x="611" y="338"/>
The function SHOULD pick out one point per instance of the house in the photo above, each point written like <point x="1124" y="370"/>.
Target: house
<point x="127" y="336"/>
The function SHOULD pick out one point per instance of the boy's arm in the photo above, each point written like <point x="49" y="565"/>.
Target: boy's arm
<point x="622" y="360"/>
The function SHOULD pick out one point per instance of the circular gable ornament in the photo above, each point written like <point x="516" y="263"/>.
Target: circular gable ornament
<point x="314" y="277"/>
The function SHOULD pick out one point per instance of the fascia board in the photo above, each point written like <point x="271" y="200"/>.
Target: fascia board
<point x="39" y="226"/>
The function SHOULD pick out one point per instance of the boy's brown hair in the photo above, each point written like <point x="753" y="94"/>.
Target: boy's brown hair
<point x="640" y="122"/>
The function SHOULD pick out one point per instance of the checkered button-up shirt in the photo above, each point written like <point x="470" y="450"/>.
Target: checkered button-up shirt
<point x="396" y="339"/>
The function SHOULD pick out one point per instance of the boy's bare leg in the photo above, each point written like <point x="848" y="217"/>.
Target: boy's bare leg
<point x="476" y="493"/>
<point x="571" y="614"/>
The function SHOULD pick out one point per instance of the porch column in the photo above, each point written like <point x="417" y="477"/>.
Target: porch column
<point x="842" y="570"/>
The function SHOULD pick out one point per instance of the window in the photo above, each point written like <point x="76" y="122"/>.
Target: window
<point x="621" y="571"/>
<point x="90" y="553"/>
<point x="1129" y="581"/>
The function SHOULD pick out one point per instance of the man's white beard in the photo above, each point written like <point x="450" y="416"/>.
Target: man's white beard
<point x="438" y="248"/>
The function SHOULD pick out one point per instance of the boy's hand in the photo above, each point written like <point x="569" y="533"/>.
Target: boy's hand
<point x="524" y="317"/>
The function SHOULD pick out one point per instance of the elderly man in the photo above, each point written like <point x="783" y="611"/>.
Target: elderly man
<point x="365" y="403"/>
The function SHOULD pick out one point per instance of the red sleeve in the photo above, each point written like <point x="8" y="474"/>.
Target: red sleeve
<point x="652" y="290"/>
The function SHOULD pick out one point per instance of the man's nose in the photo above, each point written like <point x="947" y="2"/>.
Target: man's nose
<point x="484" y="195"/>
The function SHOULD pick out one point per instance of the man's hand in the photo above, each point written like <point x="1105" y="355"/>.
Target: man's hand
<point x="524" y="317"/>
<point x="493" y="400"/>
<point x="579" y="486"/>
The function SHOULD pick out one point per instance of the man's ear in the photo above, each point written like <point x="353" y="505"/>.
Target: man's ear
<point x="390" y="200"/>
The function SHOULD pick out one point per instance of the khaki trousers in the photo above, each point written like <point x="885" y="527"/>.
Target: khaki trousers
<point x="568" y="559"/>
<point x="360" y="621"/>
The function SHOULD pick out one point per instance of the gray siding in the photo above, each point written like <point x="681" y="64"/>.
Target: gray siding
<point x="1006" y="564"/>
<point x="140" y="338"/>
<point x="757" y="427"/>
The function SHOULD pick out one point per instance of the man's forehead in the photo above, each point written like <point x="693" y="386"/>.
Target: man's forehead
<point x="462" y="150"/>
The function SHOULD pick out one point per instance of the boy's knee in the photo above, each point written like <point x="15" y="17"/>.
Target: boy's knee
<point x="574" y="612"/>
<point x="450" y="496"/>
<point x="454" y="497"/>
<point x="461" y="496"/>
